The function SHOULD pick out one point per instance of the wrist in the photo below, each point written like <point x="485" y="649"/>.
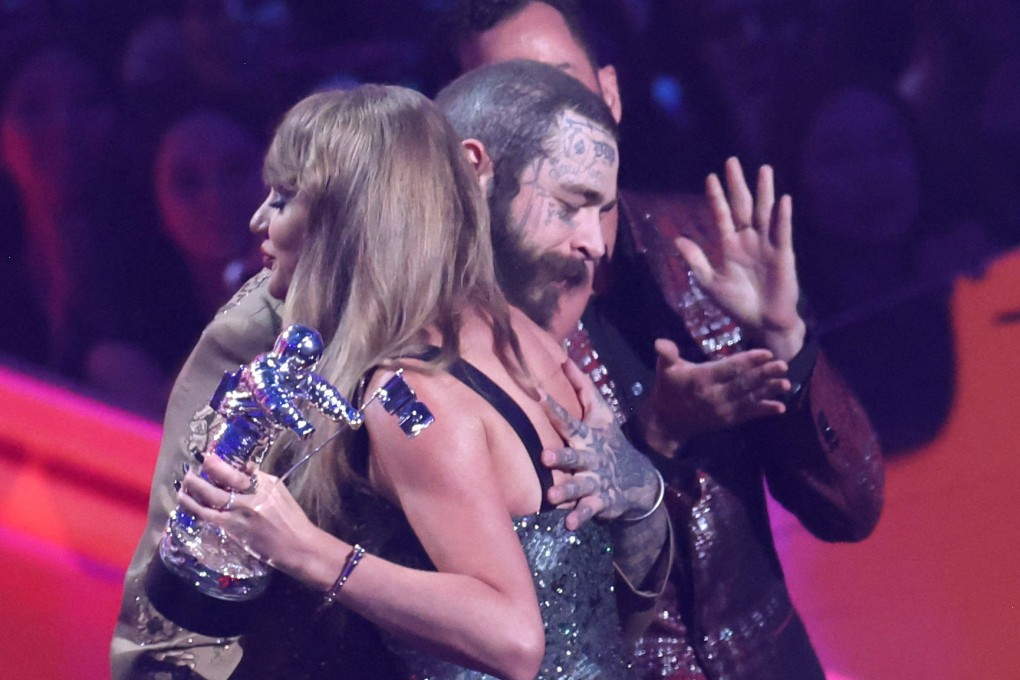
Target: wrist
<point x="654" y="436"/>
<point x="638" y="514"/>
<point x="786" y="343"/>
<point x="352" y="560"/>
<point x="313" y="558"/>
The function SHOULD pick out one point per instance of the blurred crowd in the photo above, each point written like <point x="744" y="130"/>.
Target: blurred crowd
<point x="131" y="137"/>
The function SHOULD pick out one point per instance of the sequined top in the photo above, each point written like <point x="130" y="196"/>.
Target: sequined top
<point x="573" y="576"/>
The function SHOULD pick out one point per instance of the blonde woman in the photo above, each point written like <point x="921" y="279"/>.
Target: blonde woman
<point x="377" y="233"/>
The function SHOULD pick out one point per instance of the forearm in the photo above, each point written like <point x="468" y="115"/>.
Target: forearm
<point x="642" y="550"/>
<point x="823" y="461"/>
<point x="454" y="616"/>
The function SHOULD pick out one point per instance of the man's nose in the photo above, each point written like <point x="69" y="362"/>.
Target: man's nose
<point x="588" y="237"/>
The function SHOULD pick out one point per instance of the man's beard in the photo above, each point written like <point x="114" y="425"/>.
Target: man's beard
<point x="534" y="282"/>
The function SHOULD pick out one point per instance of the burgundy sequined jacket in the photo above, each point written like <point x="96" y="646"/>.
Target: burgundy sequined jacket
<point x="727" y="613"/>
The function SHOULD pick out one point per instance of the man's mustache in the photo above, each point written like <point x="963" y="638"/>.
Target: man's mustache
<point x="554" y="268"/>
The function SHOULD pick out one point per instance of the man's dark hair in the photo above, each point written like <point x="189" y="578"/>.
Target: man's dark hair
<point x="471" y="17"/>
<point x="511" y="108"/>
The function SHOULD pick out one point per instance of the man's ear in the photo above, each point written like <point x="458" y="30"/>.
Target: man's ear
<point x="610" y="90"/>
<point x="479" y="159"/>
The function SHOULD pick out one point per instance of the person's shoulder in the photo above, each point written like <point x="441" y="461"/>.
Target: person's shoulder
<point x="444" y="453"/>
<point x="251" y="298"/>
<point x="243" y="328"/>
<point x="248" y="324"/>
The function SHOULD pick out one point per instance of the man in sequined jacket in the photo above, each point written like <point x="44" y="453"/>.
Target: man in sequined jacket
<point x="691" y="280"/>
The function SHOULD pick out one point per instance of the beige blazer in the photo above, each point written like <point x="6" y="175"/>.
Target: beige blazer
<point x="144" y="642"/>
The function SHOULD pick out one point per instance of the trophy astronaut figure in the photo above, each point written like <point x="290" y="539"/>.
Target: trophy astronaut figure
<point x="254" y="405"/>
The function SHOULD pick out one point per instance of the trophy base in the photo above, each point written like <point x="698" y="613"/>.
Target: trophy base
<point x="179" y="600"/>
<point x="204" y="555"/>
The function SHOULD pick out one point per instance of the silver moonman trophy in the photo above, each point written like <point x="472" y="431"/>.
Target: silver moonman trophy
<point x="253" y="406"/>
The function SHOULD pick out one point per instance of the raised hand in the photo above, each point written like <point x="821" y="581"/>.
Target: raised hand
<point x="610" y="478"/>
<point x="755" y="279"/>
<point x="690" y="399"/>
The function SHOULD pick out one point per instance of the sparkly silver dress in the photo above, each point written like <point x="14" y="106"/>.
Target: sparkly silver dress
<point x="573" y="576"/>
<point x="572" y="571"/>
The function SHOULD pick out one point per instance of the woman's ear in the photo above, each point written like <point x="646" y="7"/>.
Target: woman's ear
<point x="479" y="159"/>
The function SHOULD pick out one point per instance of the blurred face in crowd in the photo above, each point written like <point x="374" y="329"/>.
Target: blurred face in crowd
<point x="230" y="43"/>
<point x="207" y="178"/>
<point x="752" y="49"/>
<point x="282" y="222"/>
<point x="559" y="216"/>
<point x="56" y="128"/>
<point x="742" y="40"/>
<point x="538" y="32"/>
<point x="859" y="173"/>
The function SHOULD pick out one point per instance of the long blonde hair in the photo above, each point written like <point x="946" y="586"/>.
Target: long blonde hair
<point x="397" y="241"/>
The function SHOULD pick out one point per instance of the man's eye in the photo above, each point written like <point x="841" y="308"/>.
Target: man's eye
<point x="567" y="210"/>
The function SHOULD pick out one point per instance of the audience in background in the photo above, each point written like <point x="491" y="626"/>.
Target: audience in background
<point x="230" y="50"/>
<point x="80" y="248"/>
<point x="705" y="79"/>
<point x="866" y="236"/>
<point x="746" y="68"/>
<point x="206" y="179"/>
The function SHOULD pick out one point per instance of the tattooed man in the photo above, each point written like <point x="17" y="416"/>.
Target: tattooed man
<point x="702" y="349"/>
<point x="545" y="150"/>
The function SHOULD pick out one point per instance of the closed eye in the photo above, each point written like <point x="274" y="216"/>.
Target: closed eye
<point x="568" y="210"/>
<point x="279" y="199"/>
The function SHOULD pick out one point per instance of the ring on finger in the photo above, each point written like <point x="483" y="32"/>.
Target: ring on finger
<point x="230" y="502"/>
<point x="254" y="486"/>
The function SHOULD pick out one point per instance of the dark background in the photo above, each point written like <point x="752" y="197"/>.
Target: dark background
<point x="895" y="125"/>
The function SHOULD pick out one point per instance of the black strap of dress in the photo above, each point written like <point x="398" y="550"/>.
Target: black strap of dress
<point x="501" y="401"/>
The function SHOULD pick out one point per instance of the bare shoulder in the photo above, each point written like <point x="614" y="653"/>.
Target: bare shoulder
<point x="439" y="391"/>
<point x="447" y="450"/>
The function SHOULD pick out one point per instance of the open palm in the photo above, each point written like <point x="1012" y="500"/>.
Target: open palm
<point x="755" y="277"/>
